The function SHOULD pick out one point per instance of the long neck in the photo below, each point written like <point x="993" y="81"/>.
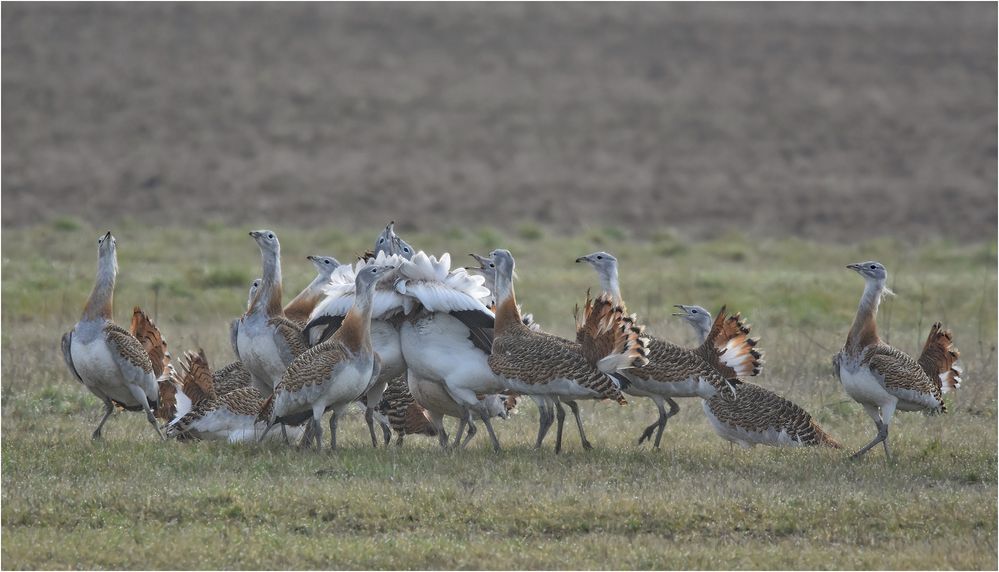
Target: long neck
<point x="865" y="327"/>
<point x="609" y="283"/>
<point x="701" y="330"/>
<point x="308" y="298"/>
<point x="355" y="332"/>
<point x="507" y="312"/>
<point x="99" y="305"/>
<point x="268" y="297"/>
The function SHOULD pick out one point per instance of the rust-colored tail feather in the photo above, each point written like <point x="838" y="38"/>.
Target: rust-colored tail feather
<point x="939" y="359"/>
<point x="166" y="406"/>
<point x="197" y="377"/>
<point x="735" y="353"/>
<point x="416" y="422"/>
<point x="610" y="338"/>
<point x="145" y="330"/>
<point x="824" y="439"/>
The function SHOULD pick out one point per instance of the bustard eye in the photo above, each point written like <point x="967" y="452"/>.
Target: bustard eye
<point x="381" y="240"/>
<point x="492" y="265"/>
<point x="693" y="311"/>
<point x="873" y="267"/>
<point x="270" y="235"/>
<point x="600" y="258"/>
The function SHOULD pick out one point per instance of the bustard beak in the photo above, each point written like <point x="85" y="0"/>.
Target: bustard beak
<point x="682" y="307"/>
<point x="254" y="233"/>
<point x="310" y="257"/>
<point x="855" y="266"/>
<point x="107" y="235"/>
<point x="582" y="259"/>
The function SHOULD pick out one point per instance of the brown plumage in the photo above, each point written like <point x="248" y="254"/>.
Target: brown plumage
<point x="730" y="349"/>
<point x="939" y="358"/>
<point x="756" y="415"/>
<point x="145" y="330"/>
<point x="903" y="375"/>
<point x="231" y="377"/>
<point x="405" y="416"/>
<point x="605" y="329"/>
<point x="128" y="347"/>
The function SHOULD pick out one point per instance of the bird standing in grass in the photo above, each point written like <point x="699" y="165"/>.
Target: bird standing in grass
<point x="104" y="357"/>
<point x="267" y="341"/>
<point x="884" y="379"/>
<point x="333" y="373"/>
<point x="755" y="415"/>
<point x="671" y="371"/>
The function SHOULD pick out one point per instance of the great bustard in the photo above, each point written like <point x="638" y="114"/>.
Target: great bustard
<point x="204" y="412"/>
<point x="446" y="338"/>
<point x="266" y="340"/>
<point x="755" y="416"/>
<point x="405" y="415"/>
<point x="532" y="362"/>
<point x="386" y="315"/>
<point x="105" y="358"/>
<point x="881" y="377"/>
<point x="549" y="406"/>
<point x="302" y="305"/>
<point x="334" y="373"/>
<point x="672" y="370"/>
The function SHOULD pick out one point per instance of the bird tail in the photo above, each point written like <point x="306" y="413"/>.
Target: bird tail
<point x="823" y="439"/>
<point x="145" y="330"/>
<point x="611" y="339"/>
<point x="939" y="359"/>
<point x="166" y="405"/>
<point x="416" y="422"/>
<point x="266" y="409"/>
<point x="737" y="355"/>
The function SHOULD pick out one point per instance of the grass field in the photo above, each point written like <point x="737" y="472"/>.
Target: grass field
<point x="133" y="502"/>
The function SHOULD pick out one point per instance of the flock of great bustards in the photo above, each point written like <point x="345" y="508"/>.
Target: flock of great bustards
<point x="413" y="340"/>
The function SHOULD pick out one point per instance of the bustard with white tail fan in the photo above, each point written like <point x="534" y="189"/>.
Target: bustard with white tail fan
<point x="446" y="339"/>
<point x="267" y="341"/>
<point x="755" y="416"/>
<point x="884" y="379"/>
<point x="671" y="371"/>
<point x="105" y="358"/>
<point x="334" y="373"/>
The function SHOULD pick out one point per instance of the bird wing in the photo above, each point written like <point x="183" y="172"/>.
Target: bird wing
<point x="901" y="374"/>
<point x="672" y="363"/>
<point x="231" y="377"/>
<point x="538" y="358"/>
<point x="67" y="354"/>
<point x="288" y="339"/>
<point x="313" y="367"/>
<point x="131" y="358"/>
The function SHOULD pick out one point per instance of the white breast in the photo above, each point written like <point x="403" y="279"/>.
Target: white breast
<point x="690" y="387"/>
<point x="863" y="386"/>
<point x="99" y="371"/>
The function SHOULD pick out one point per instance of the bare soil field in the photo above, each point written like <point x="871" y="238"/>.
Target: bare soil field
<point x="840" y="122"/>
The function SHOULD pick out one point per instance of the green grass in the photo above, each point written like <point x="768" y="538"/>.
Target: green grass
<point x="133" y="502"/>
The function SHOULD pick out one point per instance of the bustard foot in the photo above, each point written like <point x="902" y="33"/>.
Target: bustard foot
<point x="647" y="434"/>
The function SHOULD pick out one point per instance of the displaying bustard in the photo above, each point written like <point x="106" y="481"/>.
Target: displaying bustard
<point x="756" y="415"/>
<point x="104" y="357"/>
<point x="884" y="379"/>
<point x="334" y="373"/>
<point x="671" y="371"/>
<point x="404" y="414"/>
<point x="204" y="412"/>
<point x="549" y="406"/>
<point x="302" y="305"/>
<point x="446" y="339"/>
<point x="267" y="341"/>
<point x="531" y="362"/>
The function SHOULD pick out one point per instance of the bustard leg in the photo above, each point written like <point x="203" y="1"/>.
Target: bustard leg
<point x="307" y="436"/>
<point x="284" y="433"/>
<point x="881" y="437"/>
<point x="466" y="418"/>
<point x="266" y="431"/>
<point x="386" y="431"/>
<point x="369" y="418"/>
<point x="559" y="423"/>
<point x="673" y="409"/>
<point x="546" y="418"/>
<point x="140" y="396"/>
<point x="574" y="407"/>
<point x="492" y="434"/>
<point x="108" y="410"/>
<point x="469" y="434"/>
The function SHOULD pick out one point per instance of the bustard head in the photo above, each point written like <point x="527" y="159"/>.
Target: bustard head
<point x="503" y="262"/>
<point x="369" y="276"/>
<point x="696" y="316"/>
<point x="390" y="243"/>
<point x="106" y="245"/>
<point x="603" y="262"/>
<point x="266" y="240"/>
<point x="870" y="270"/>
<point x="253" y="291"/>
<point x="325" y="265"/>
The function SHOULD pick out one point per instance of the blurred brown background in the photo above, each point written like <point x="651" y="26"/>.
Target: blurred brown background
<point x="829" y="121"/>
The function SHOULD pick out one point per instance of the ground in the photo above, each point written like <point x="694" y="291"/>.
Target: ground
<point x="134" y="502"/>
<point x="839" y="121"/>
